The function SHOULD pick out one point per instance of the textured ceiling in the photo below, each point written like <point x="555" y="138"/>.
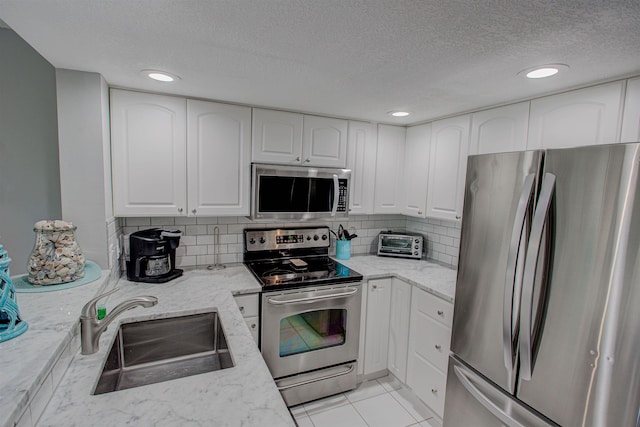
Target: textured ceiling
<point x="347" y="58"/>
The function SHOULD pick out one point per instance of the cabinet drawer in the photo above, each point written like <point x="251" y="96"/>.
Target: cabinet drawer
<point x="428" y="384"/>
<point x="432" y="341"/>
<point x="248" y="304"/>
<point x="254" y="326"/>
<point x="434" y="307"/>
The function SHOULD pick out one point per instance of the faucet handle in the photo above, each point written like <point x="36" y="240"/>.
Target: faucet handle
<point x="89" y="310"/>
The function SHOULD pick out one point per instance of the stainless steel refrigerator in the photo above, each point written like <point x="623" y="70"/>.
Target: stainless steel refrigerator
<point x="546" y="327"/>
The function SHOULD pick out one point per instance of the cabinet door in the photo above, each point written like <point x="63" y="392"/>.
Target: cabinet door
<point x="389" y="169"/>
<point x="448" y="167"/>
<point x="148" y="148"/>
<point x="583" y="117"/>
<point x="276" y="137"/>
<point x="324" y="142"/>
<point x="500" y="129"/>
<point x="377" y="326"/>
<point x="399" y="328"/>
<point x="416" y="170"/>
<point x="361" y="159"/>
<point x="218" y="159"/>
<point x="631" y="117"/>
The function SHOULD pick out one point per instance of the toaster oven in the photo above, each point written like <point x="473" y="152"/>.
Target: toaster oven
<point x="400" y="245"/>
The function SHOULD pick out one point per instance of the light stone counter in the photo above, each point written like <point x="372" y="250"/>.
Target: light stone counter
<point x="242" y="395"/>
<point x="427" y="275"/>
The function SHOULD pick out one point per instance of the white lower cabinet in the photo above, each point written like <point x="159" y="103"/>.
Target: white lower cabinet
<point x="429" y="341"/>
<point x="377" y="326"/>
<point x="399" y="328"/>
<point x="248" y="305"/>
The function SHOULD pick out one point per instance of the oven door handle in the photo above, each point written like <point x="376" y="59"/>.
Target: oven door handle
<point x="326" y="377"/>
<point x="348" y="292"/>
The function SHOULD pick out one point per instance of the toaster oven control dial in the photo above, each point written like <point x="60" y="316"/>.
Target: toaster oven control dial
<point x="315" y="237"/>
<point x="252" y="241"/>
<point x="416" y="241"/>
<point x="262" y="240"/>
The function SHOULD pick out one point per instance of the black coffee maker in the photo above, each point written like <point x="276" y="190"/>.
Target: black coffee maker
<point x="152" y="255"/>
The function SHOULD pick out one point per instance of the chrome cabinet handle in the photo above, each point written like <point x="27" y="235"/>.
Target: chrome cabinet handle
<point x="180" y="210"/>
<point x="298" y="159"/>
<point x="438" y="347"/>
<point x="253" y="326"/>
<point x="242" y="309"/>
<point x="193" y="211"/>
<point x="307" y="160"/>
<point x="434" y="390"/>
<point x="374" y="286"/>
<point x="458" y="217"/>
<point x="440" y="313"/>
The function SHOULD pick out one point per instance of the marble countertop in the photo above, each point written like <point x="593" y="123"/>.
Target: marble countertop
<point x="430" y="276"/>
<point x="245" y="394"/>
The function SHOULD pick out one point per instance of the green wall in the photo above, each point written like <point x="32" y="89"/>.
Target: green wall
<point x="29" y="167"/>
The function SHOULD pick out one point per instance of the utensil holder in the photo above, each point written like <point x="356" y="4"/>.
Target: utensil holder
<point x="343" y="249"/>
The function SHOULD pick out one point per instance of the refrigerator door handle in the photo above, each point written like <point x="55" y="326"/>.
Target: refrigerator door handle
<point x="530" y="327"/>
<point x="511" y="288"/>
<point x="473" y="387"/>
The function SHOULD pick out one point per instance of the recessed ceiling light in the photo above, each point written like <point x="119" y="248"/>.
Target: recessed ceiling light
<point x="399" y="113"/>
<point x="161" y="76"/>
<point x="543" y="71"/>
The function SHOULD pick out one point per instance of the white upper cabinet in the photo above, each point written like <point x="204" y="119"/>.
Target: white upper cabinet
<point x="500" y="129"/>
<point x="148" y="144"/>
<point x="276" y="137"/>
<point x="448" y="167"/>
<point x="297" y="139"/>
<point x="583" y="117"/>
<point x="218" y="158"/>
<point x="324" y="142"/>
<point x="631" y="117"/>
<point x="416" y="170"/>
<point x="361" y="159"/>
<point x="389" y="170"/>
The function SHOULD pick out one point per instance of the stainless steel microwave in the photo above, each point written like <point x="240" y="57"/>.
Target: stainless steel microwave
<point x="299" y="193"/>
<point x="400" y="245"/>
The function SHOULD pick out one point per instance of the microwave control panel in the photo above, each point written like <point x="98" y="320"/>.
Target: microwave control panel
<point x="342" y="195"/>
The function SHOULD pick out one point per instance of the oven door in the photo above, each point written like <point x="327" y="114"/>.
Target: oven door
<point x="310" y="328"/>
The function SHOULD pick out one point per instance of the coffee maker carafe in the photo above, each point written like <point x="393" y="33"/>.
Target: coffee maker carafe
<point x="152" y="255"/>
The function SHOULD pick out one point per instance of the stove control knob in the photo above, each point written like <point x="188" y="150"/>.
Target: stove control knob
<point x="252" y="241"/>
<point x="324" y="237"/>
<point x="315" y="237"/>
<point x="262" y="240"/>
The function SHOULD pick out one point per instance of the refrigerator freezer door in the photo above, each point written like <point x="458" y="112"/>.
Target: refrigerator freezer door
<point x="473" y="401"/>
<point x="585" y="369"/>
<point x="500" y="191"/>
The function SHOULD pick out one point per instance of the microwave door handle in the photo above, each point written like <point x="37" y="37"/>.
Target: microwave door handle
<point x="336" y="194"/>
<point x="530" y="328"/>
<point x="511" y="303"/>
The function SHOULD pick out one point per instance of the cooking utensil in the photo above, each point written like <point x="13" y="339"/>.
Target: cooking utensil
<point x="340" y="232"/>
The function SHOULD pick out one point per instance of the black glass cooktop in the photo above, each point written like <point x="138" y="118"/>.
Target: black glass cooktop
<point x="289" y="273"/>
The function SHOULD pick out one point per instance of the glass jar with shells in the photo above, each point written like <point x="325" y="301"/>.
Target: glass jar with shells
<point x="56" y="257"/>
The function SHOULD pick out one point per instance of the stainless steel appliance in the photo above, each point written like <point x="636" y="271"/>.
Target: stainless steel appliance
<point x="309" y="314"/>
<point x="400" y="245"/>
<point x="151" y="255"/>
<point x="299" y="193"/>
<point x="546" y="317"/>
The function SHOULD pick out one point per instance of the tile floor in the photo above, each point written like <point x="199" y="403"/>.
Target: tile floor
<point x="375" y="403"/>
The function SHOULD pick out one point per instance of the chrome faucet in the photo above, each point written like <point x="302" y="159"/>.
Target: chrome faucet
<point x="91" y="328"/>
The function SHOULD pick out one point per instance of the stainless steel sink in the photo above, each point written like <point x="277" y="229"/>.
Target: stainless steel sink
<point x="158" y="350"/>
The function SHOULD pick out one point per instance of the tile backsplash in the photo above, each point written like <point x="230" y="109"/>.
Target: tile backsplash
<point x="197" y="245"/>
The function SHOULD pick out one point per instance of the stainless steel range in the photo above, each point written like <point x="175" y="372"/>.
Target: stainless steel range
<point x="309" y="311"/>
